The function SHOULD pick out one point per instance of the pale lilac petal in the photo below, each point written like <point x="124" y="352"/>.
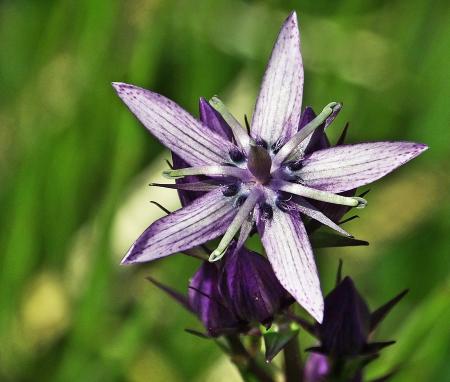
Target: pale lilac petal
<point x="277" y="110"/>
<point x="212" y="119"/>
<point x="289" y="251"/>
<point x="202" y="220"/>
<point x="346" y="167"/>
<point x="174" y="127"/>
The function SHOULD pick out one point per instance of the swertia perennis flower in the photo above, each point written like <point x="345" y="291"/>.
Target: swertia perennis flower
<point x="265" y="177"/>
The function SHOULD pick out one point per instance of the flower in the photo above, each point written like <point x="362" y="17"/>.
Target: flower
<point x="348" y="323"/>
<point x="317" y="368"/>
<point x="206" y="301"/>
<point x="249" y="286"/>
<point x="266" y="177"/>
<point x="232" y="295"/>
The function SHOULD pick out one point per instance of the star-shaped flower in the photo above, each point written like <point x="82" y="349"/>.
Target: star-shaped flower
<point x="265" y="177"/>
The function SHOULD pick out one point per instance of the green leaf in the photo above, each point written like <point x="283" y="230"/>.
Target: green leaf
<point x="276" y="341"/>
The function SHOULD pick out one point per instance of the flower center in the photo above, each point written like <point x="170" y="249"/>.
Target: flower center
<point x="259" y="163"/>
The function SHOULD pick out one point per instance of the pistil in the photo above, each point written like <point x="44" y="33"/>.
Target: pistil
<point x="259" y="163"/>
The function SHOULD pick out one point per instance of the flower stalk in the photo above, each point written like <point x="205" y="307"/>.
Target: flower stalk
<point x="293" y="368"/>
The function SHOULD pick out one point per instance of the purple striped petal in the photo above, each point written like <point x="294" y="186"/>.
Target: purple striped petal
<point x="212" y="119"/>
<point x="277" y="110"/>
<point x="346" y="167"/>
<point x="174" y="127"/>
<point x="288" y="249"/>
<point x="202" y="220"/>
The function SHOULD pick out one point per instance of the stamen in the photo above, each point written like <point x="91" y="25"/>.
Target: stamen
<point x="246" y="229"/>
<point x="236" y="155"/>
<point x="237" y="222"/>
<point x="239" y="133"/>
<point x="323" y="196"/>
<point x="247" y="125"/>
<point x="207" y="170"/>
<point x="309" y="210"/>
<point x="293" y="143"/>
<point x="266" y="211"/>
<point x="230" y="190"/>
<point x="192" y="186"/>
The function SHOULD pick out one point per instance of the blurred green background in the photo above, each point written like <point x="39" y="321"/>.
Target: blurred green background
<point x="75" y="164"/>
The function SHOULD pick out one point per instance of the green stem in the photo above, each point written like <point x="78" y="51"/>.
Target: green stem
<point x="293" y="369"/>
<point x="247" y="365"/>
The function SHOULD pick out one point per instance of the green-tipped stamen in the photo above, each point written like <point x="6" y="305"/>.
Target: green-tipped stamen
<point x="323" y="196"/>
<point x="207" y="170"/>
<point x="240" y="135"/>
<point x="239" y="219"/>
<point x="292" y="145"/>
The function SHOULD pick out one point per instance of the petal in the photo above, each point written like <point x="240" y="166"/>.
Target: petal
<point x="212" y="119"/>
<point x="288" y="249"/>
<point x="346" y="167"/>
<point x="277" y="109"/>
<point x="203" y="220"/>
<point x="174" y="127"/>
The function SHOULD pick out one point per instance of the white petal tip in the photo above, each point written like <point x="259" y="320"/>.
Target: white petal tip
<point x="292" y="16"/>
<point x="130" y="257"/>
<point x="421" y="147"/>
<point x="319" y="318"/>
<point x="125" y="261"/>
<point x="317" y="312"/>
<point x="117" y="85"/>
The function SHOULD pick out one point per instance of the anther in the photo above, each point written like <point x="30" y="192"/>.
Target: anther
<point x="231" y="189"/>
<point x="261" y="142"/>
<point x="241" y="200"/>
<point x="266" y="211"/>
<point x="236" y="155"/>
<point x="294" y="166"/>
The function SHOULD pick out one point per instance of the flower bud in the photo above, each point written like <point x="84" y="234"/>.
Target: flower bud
<point x="250" y="286"/>
<point x="206" y="301"/>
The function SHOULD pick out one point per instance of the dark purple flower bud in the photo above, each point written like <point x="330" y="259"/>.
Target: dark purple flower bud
<point x="346" y="323"/>
<point x="206" y="301"/>
<point x="317" y="368"/>
<point x="251" y="287"/>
